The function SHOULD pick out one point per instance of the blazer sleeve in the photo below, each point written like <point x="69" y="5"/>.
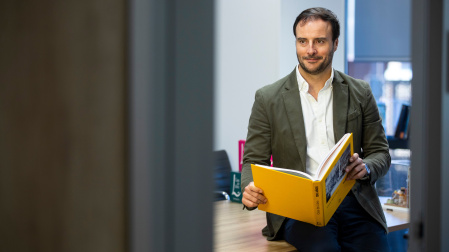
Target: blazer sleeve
<point x="258" y="142"/>
<point x="374" y="142"/>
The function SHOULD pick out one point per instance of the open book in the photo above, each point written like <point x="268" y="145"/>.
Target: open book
<point x="299" y="196"/>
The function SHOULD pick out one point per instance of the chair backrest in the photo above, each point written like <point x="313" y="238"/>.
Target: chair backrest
<point x="222" y="173"/>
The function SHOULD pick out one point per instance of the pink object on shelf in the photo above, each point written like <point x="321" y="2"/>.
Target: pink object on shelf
<point x="241" y="145"/>
<point x="241" y="148"/>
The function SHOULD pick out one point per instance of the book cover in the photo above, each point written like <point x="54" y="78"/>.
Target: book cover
<point x="298" y="195"/>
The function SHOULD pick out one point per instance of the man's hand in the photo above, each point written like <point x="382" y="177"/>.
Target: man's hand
<point x="253" y="196"/>
<point x="356" y="168"/>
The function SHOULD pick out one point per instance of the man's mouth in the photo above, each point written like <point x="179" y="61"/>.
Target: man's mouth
<point x="312" y="58"/>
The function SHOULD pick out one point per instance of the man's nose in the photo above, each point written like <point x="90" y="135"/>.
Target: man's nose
<point x="311" y="50"/>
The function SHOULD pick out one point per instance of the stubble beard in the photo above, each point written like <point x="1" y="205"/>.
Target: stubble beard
<point x="320" y="68"/>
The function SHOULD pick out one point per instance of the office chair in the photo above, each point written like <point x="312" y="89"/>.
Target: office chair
<point x="222" y="175"/>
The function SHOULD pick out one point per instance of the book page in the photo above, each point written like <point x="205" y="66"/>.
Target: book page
<point x="289" y="171"/>
<point x="330" y="156"/>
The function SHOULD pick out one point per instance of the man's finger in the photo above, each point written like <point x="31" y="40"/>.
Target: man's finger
<point x="253" y="196"/>
<point x="354" y="157"/>
<point x="353" y="163"/>
<point x="357" y="172"/>
<point x="256" y="196"/>
<point x="248" y="203"/>
<point x="253" y="188"/>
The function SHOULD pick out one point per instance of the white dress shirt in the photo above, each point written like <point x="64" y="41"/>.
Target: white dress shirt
<point x="318" y="121"/>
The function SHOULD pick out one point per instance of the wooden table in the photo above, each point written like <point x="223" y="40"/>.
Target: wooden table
<point x="236" y="229"/>
<point x="239" y="230"/>
<point x="397" y="218"/>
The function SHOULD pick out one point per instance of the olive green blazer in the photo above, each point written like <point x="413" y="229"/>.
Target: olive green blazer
<point x="276" y="127"/>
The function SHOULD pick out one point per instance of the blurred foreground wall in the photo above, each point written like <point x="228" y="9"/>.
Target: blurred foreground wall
<point x="62" y="130"/>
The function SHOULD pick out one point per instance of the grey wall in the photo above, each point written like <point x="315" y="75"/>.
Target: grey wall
<point x="247" y="58"/>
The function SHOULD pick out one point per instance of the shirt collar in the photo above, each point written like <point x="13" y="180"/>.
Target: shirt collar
<point x="304" y="86"/>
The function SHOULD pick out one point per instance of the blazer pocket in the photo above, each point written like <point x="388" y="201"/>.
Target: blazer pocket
<point x="353" y="115"/>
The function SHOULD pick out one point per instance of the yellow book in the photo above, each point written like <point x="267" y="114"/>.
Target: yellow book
<point x="299" y="196"/>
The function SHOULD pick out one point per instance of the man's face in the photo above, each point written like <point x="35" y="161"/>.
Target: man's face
<point x="314" y="46"/>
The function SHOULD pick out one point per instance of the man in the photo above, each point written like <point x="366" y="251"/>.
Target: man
<point x="298" y="119"/>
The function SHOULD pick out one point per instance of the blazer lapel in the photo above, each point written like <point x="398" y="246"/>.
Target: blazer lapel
<point x="340" y="106"/>
<point x="292" y="103"/>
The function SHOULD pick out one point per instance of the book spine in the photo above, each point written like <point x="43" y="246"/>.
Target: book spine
<point x="318" y="203"/>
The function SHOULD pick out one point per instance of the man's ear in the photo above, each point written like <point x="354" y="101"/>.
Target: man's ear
<point x="336" y="45"/>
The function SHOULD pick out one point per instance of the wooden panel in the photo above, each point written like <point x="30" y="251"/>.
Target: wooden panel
<point x="62" y="130"/>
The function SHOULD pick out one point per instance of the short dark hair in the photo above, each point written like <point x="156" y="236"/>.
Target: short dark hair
<point x="319" y="13"/>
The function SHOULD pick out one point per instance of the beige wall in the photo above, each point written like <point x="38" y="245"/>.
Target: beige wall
<point x="62" y="125"/>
